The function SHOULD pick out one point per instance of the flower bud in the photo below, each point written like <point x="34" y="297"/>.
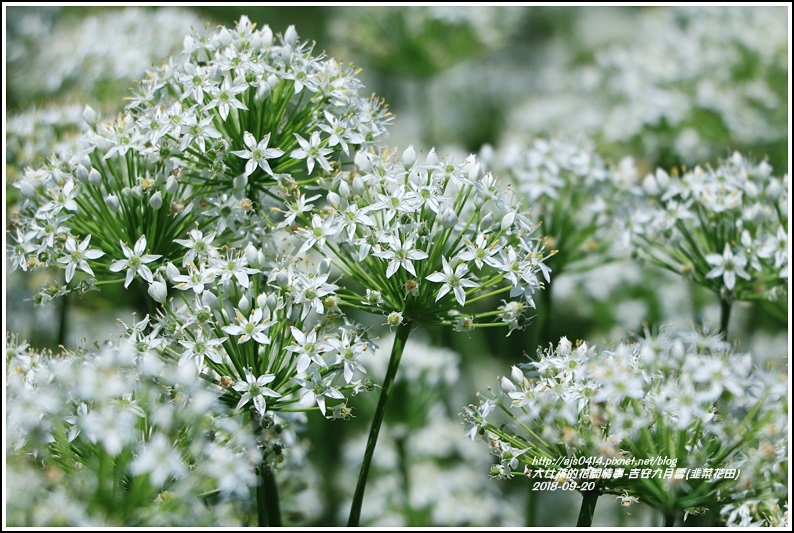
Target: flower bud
<point x="240" y="182"/>
<point x="344" y="188"/>
<point x="26" y="188"/>
<point x="362" y="161"/>
<point x="209" y="299"/>
<point x="171" y="271"/>
<point x="508" y="219"/>
<point x="252" y="255"/>
<point x="409" y="157"/>
<point x="171" y="184"/>
<point x="282" y="279"/>
<point x="291" y="36"/>
<point x="475" y="171"/>
<point x="432" y="158"/>
<point x="89" y="115"/>
<point x="261" y="300"/>
<point x="81" y="173"/>
<point x="244" y="305"/>
<point x="158" y="291"/>
<point x="486" y="221"/>
<point x="271" y="302"/>
<point x="224" y="37"/>
<point x="506" y="385"/>
<point x="750" y="190"/>
<point x="112" y="202"/>
<point x="516" y="375"/>
<point x="358" y="185"/>
<point x="449" y="218"/>
<point x="773" y="189"/>
<point x="267" y="36"/>
<point x="94" y="177"/>
<point x="156" y="201"/>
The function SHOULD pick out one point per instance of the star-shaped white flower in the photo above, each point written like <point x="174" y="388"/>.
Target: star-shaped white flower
<point x="452" y="281"/>
<point x="76" y="256"/>
<point x="728" y="266"/>
<point x="254" y="390"/>
<point x="135" y="262"/>
<point x="257" y="154"/>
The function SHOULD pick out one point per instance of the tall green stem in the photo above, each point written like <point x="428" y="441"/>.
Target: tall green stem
<point x="63" y="318"/>
<point x="400" y="339"/>
<point x="267" y="504"/>
<point x="540" y="334"/>
<point x="725" y="316"/>
<point x="406" y="479"/>
<point x="669" y="519"/>
<point x="531" y="508"/>
<point x="586" y="512"/>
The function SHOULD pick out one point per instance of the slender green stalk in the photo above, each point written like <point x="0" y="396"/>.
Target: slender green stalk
<point x="400" y="339"/>
<point x="586" y="512"/>
<point x="725" y="316"/>
<point x="405" y="478"/>
<point x="63" y="319"/>
<point x="669" y="519"/>
<point x="530" y="511"/>
<point x="539" y="335"/>
<point x="267" y="504"/>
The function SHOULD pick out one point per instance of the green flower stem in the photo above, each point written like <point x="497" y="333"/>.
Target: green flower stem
<point x="725" y="316"/>
<point x="267" y="504"/>
<point x="405" y="478"/>
<point x="400" y="339"/>
<point x="63" y="319"/>
<point x="586" y="512"/>
<point x="669" y="519"/>
<point x="530" y="512"/>
<point x="540" y="334"/>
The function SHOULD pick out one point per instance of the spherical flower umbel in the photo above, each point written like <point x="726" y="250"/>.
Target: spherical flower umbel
<point x="684" y="398"/>
<point x="269" y="340"/>
<point x="119" y="418"/>
<point x="254" y="108"/>
<point x="425" y="239"/>
<point x="721" y="227"/>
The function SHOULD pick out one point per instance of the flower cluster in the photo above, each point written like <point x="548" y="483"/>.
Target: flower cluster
<point x="684" y="397"/>
<point x="726" y="228"/>
<point x="208" y="141"/>
<point x="112" y="436"/>
<point x="426" y="240"/>
<point x="573" y="194"/>
<point x="274" y="342"/>
<point x="242" y="108"/>
<point x="31" y="135"/>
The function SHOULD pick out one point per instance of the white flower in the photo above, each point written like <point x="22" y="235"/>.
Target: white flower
<point x="728" y="266"/>
<point x="223" y="97"/>
<point x="257" y="154"/>
<point x="255" y="391"/>
<point x="77" y="255"/>
<point x="452" y="281"/>
<point x="253" y="328"/>
<point x="400" y="254"/>
<point x="310" y="151"/>
<point x="316" y="390"/>
<point x="135" y="262"/>
<point x="160" y="459"/>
